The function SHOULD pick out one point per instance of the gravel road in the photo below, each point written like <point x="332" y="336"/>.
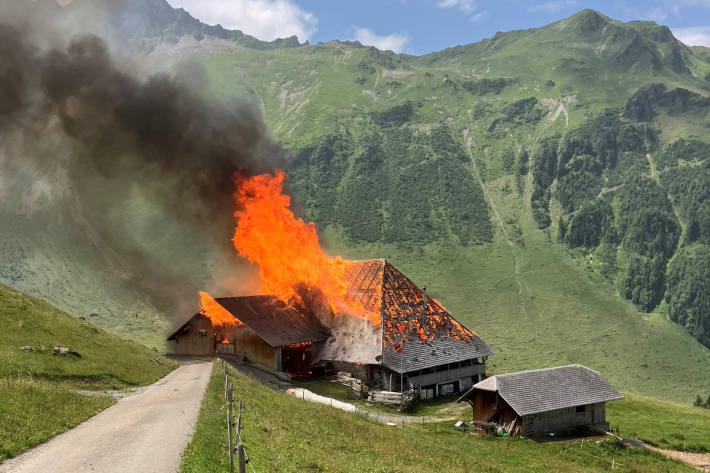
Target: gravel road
<point x="145" y="432"/>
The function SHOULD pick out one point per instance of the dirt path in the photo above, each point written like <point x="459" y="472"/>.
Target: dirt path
<point x="145" y="432"/>
<point x="701" y="461"/>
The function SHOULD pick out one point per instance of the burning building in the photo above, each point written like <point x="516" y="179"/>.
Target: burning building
<point x="387" y="332"/>
<point x="363" y="317"/>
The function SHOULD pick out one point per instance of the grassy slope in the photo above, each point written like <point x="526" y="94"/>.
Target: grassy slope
<point x="662" y="424"/>
<point x="38" y="391"/>
<point x="534" y="301"/>
<point x="285" y="434"/>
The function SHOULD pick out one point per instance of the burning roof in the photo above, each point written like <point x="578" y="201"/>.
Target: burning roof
<point x="430" y="335"/>
<point x="273" y="321"/>
<point x="395" y="310"/>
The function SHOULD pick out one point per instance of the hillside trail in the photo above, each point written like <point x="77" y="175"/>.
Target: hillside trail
<point x="701" y="461"/>
<point x="145" y="432"/>
<point x="468" y="140"/>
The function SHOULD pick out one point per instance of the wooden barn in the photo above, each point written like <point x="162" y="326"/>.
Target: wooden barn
<point x="561" y="399"/>
<point x="265" y="331"/>
<point x="439" y="355"/>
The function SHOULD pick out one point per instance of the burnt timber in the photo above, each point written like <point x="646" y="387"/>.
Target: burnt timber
<point x="439" y="355"/>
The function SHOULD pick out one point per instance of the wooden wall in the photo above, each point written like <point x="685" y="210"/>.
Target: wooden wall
<point x="201" y="338"/>
<point x="198" y="339"/>
<point x="254" y="348"/>
<point x="483" y="403"/>
<point x="565" y="419"/>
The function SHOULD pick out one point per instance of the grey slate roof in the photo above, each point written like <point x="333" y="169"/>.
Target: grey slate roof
<point x="420" y="354"/>
<point x="536" y="391"/>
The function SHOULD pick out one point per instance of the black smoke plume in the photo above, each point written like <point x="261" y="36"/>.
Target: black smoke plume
<point x="119" y="134"/>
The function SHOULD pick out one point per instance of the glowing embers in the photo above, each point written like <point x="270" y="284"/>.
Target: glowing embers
<point x="410" y="314"/>
<point x="218" y="315"/>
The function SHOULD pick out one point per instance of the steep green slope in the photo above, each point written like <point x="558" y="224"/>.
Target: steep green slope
<point x="39" y="395"/>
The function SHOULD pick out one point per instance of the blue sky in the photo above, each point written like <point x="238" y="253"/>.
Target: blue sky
<point x="423" y="26"/>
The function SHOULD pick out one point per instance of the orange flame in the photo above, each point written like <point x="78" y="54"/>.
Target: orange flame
<point x="285" y="248"/>
<point x="218" y="315"/>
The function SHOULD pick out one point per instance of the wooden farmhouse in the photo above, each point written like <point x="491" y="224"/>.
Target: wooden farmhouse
<point x="438" y="356"/>
<point x="561" y="399"/>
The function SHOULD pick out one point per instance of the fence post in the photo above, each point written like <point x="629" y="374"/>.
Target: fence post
<point x="240" y="459"/>
<point x="240" y="447"/>
<point x="229" y="430"/>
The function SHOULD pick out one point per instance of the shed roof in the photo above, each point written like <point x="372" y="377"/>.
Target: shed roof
<point x="536" y="391"/>
<point x="273" y="321"/>
<point x="430" y="335"/>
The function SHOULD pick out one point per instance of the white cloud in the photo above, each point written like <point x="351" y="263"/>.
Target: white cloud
<point x="693" y="36"/>
<point x="263" y="19"/>
<point x="392" y="42"/>
<point x="657" y="14"/>
<point x="553" y="6"/>
<point x="479" y="16"/>
<point x="466" y="6"/>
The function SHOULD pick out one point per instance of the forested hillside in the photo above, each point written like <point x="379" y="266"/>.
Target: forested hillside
<point x="549" y="186"/>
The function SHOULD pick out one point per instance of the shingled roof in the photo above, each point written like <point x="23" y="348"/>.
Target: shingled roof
<point x="536" y="391"/>
<point x="430" y="335"/>
<point x="273" y="321"/>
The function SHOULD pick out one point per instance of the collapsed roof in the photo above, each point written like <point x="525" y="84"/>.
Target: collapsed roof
<point x="536" y="391"/>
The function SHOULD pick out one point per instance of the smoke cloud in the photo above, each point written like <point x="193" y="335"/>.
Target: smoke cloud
<point x="113" y="138"/>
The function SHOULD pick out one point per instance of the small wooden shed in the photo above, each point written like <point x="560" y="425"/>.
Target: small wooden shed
<point x="565" y="398"/>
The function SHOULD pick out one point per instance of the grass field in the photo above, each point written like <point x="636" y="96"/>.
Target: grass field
<point x="39" y="395"/>
<point x="662" y="424"/>
<point x="284" y="434"/>
<point x="659" y="423"/>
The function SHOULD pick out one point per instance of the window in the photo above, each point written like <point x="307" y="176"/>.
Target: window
<point x="466" y="363"/>
<point x="445" y="389"/>
<point x="580" y="409"/>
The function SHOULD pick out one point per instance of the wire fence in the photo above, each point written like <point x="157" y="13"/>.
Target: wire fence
<point x="234" y="429"/>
